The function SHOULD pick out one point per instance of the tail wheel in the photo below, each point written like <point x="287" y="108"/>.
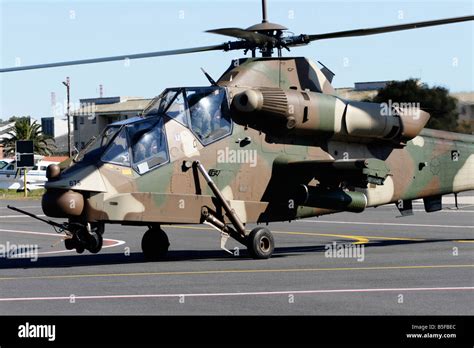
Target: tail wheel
<point x="155" y="244"/>
<point x="260" y="244"/>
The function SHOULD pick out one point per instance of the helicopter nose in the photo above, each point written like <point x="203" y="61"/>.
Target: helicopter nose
<point x="61" y="203"/>
<point x="77" y="179"/>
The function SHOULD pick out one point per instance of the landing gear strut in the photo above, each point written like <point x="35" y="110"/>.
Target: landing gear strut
<point x="155" y="244"/>
<point x="259" y="242"/>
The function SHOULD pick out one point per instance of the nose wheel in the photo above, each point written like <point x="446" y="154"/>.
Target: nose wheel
<point x="85" y="237"/>
<point x="155" y="244"/>
<point x="260" y="243"/>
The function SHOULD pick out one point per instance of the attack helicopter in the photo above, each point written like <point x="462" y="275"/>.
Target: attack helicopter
<point x="268" y="141"/>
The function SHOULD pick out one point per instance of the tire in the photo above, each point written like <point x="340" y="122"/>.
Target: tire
<point x="95" y="242"/>
<point x="260" y="244"/>
<point x="155" y="244"/>
<point x="69" y="244"/>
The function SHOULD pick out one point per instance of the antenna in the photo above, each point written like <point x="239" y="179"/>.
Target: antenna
<point x="209" y="78"/>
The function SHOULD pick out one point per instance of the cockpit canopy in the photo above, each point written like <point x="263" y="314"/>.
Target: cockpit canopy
<point x="205" y="110"/>
<point x="140" y="142"/>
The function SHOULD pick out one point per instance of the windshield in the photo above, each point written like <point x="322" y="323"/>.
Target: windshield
<point x="141" y="145"/>
<point x="208" y="111"/>
<point x="204" y="110"/>
<point x="97" y="142"/>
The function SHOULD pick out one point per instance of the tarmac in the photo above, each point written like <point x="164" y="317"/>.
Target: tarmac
<point x="373" y="263"/>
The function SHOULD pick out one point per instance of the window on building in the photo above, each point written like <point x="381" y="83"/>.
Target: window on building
<point x="81" y="120"/>
<point x="74" y="121"/>
<point x="94" y="119"/>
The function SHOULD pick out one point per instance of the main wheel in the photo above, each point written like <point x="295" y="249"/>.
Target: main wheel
<point x="155" y="244"/>
<point x="260" y="243"/>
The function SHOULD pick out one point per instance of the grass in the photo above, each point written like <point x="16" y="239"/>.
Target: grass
<point x="13" y="194"/>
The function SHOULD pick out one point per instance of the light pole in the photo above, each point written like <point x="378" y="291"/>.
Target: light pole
<point x="68" y="85"/>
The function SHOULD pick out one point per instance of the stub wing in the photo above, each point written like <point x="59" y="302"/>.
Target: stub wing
<point x="352" y="172"/>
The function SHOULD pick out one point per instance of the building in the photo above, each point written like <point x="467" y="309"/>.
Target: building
<point x="57" y="129"/>
<point x="95" y="114"/>
<point x="465" y="109"/>
<point x="53" y="126"/>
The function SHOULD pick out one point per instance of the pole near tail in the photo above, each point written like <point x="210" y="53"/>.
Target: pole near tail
<point x="24" y="183"/>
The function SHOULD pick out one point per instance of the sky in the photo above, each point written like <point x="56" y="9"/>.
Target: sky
<point x="34" y="32"/>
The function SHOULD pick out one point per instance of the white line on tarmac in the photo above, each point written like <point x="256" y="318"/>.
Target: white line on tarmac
<point x="448" y="211"/>
<point x="15" y="216"/>
<point x="117" y="242"/>
<point x="222" y="294"/>
<point x="382" y="224"/>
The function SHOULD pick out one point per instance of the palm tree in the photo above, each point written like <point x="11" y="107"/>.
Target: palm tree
<point x="24" y="130"/>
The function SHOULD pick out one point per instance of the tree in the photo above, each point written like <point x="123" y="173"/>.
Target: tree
<point x="23" y="130"/>
<point x="436" y="101"/>
<point x="19" y="118"/>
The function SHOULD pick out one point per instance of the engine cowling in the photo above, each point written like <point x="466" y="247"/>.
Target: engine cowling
<point x="293" y="113"/>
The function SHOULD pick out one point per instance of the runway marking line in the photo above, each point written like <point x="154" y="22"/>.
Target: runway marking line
<point x="357" y="238"/>
<point x="233" y="294"/>
<point x="382" y="223"/>
<point x="116" y="242"/>
<point x="15" y="216"/>
<point x="235" y="271"/>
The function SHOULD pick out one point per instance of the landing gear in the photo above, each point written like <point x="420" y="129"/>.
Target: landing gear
<point x="85" y="237"/>
<point x="260" y="243"/>
<point x="155" y="244"/>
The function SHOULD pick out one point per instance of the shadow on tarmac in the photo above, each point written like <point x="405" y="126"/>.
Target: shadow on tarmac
<point x="79" y="260"/>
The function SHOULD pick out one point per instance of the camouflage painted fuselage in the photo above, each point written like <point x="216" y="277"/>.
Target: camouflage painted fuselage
<point x="261" y="165"/>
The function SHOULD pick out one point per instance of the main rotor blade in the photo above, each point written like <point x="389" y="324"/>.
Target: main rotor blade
<point x="115" y="58"/>
<point x="388" y="29"/>
<point x="239" y="33"/>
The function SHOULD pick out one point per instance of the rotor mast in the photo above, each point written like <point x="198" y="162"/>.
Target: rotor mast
<point x="264" y="11"/>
